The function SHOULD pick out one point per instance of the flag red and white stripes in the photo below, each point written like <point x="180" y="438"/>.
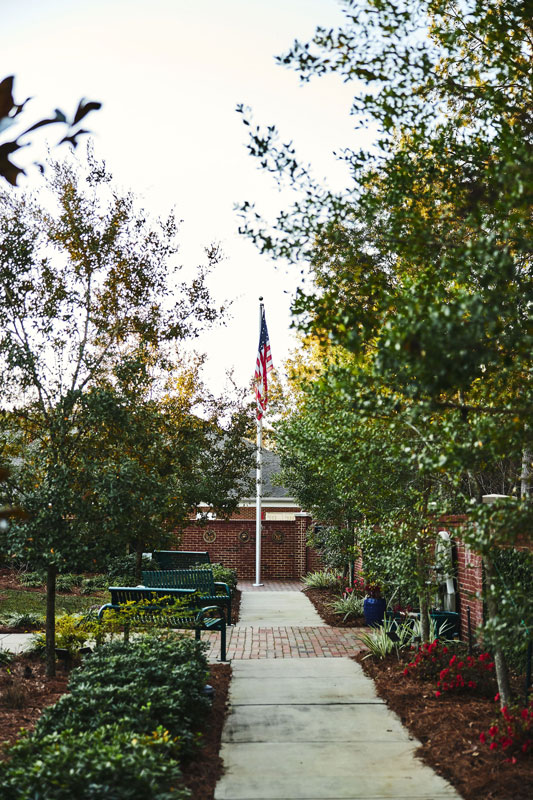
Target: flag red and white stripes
<point x="262" y="367"/>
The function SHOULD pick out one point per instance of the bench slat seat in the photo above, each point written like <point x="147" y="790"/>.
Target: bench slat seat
<point x="191" y="616"/>
<point x="199" y="580"/>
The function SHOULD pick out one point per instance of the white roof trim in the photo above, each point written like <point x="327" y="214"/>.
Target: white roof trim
<point x="272" y="502"/>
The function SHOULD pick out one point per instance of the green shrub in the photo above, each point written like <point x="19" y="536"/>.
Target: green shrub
<point x="94" y="584"/>
<point x="349" y="606"/>
<point x="72" y="632"/>
<point x="121" y="569"/>
<point x="67" y="582"/>
<point x="225" y="575"/>
<point x="139" y="685"/>
<point x="32" y="580"/>
<point x="322" y="579"/>
<point x="107" y="762"/>
<point x="511" y="629"/>
<point x="24" y="619"/>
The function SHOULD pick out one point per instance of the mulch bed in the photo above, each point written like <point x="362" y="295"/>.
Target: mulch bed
<point x="448" y="728"/>
<point x="320" y="599"/>
<point x="202" y="773"/>
<point x="235" y="606"/>
<point x="24" y="692"/>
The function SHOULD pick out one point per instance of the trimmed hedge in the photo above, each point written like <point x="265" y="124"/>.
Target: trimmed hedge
<point x="139" y="686"/>
<point x="132" y="712"/>
<point x="108" y="762"/>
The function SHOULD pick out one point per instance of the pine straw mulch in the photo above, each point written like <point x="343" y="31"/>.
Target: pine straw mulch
<point x="448" y="728"/>
<point x="25" y="691"/>
<point x="321" y="598"/>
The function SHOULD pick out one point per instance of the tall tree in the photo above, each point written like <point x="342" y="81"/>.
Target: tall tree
<point x="423" y="265"/>
<point x="83" y="274"/>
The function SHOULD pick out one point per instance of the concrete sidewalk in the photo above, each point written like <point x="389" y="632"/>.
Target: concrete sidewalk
<point x="15" y="642"/>
<point x="313" y="728"/>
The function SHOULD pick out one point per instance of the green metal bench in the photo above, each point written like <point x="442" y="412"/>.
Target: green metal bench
<point x="180" y="559"/>
<point x="190" y="616"/>
<point x="198" y="580"/>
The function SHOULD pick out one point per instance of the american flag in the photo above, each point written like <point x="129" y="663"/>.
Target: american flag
<point x="262" y="367"/>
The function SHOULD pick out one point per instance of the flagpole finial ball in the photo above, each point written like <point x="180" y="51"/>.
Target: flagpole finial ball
<point x="260" y="298"/>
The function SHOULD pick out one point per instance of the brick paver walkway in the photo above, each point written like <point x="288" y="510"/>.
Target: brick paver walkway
<point x="324" y="642"/>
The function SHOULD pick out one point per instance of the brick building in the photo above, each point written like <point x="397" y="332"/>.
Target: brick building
<point x="284" y="554"/>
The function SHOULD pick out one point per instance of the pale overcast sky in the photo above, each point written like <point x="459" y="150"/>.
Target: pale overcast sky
<point x="169" y="74"/>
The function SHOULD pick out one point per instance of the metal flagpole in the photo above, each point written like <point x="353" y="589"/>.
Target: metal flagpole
<point x="259" y="481"/>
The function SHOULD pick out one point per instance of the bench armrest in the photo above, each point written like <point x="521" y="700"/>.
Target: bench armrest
<point x="203" y="613"/>
<point x="225" y="585"/>
<point x="103" y="608"/>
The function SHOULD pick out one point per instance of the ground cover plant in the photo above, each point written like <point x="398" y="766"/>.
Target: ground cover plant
<point x="131" y="707"/>
<point x="27" y="674"/>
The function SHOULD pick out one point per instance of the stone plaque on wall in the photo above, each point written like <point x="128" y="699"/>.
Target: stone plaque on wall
<point x="279" y="516"/>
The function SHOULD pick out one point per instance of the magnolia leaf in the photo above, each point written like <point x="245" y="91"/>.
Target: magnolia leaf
<point x="7" y="169"/>
<point x="6" y="96"/>
<point x="84" y="109"/>
<point x="59" y="117"/>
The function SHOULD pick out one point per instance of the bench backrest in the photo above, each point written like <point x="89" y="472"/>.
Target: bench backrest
<point x="180" y="559"/>
<point x="189" y="607"/>
<point x="200" y="579"/>
<point x="126" y="594"/>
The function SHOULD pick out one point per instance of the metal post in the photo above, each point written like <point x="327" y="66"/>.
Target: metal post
<point x="259" y="478"/>
<point x="528" y="671"/>
<point x="469" y="624"/>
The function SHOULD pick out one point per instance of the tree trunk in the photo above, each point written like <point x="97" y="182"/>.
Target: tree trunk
<point x="51" y="620"/>
<point x="422" y="596"/>
<point x="424" y="617"/>
<point x="138" y="559"/>
<point x="525" y="477"/>
<point x="502" y="674"/>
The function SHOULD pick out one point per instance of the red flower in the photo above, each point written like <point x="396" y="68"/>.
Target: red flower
<point x="437" y="694"/>
<point x="483" y="737"/>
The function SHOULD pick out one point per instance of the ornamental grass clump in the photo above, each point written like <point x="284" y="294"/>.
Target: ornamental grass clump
<point x="512" y="737"/>
<point x="451" y="672"/>
<point x="351" y="605"/>
<point x="321" y="579"/>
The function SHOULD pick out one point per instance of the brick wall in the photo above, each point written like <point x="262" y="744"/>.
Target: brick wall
<point x="283" y="549"/>
<point x="469" y="571"/>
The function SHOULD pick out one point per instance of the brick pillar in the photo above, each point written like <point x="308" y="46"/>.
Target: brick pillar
<point x="303" y="521"/>
<point x="470" y="586"/>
